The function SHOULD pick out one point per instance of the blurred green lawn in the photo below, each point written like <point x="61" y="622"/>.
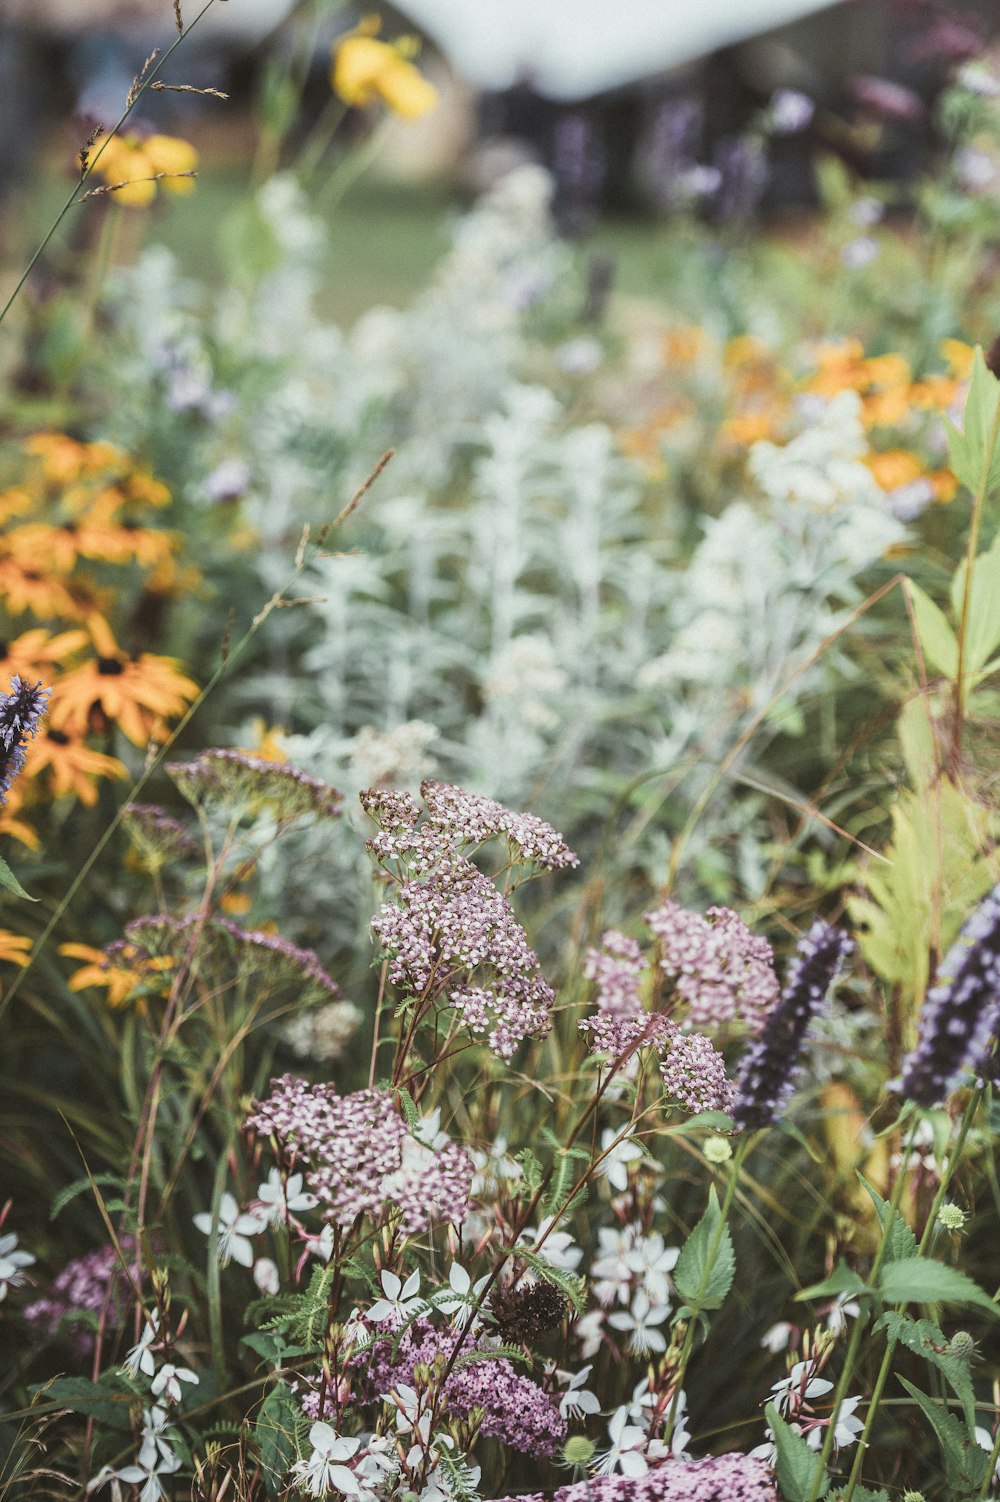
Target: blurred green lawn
<point x="384" y="237"/>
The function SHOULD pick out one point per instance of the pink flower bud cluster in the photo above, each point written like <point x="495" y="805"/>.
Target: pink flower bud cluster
<point x="716" y="964"/>
<point x="359" y="1157"/>
<point x="694" y="1074"/>
<point x="719" y="1478"/>
<point x="617" y="969"/>
<point x="514" y="1409"/>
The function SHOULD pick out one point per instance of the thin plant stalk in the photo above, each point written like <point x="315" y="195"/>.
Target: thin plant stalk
<point x="135" y="94"/>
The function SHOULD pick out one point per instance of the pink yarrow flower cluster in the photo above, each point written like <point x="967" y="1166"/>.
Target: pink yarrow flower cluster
<point x="449" y="933"/>
<point x="719" y="1478"/>
<point x="617" y="969"/>
<point x="359" y="1158"/>
<point x="716" y="964"/>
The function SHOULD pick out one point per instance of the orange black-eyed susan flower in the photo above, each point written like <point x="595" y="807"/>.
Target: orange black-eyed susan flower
<point x="133" y="692"/>
<point x="366" y="71"/>
<point x="70" y="765"/>
<point x="126" y="972"/>
<point x="14" y="948"/>
<point x="27" y="590"/>
<point x="65" y="459"/>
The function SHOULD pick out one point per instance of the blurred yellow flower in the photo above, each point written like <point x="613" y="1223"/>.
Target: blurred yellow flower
<point x="122" y="969"/>
<point x="135" y="166"/>
<point x="366" y="70"/>
<point x="13" y="947"/>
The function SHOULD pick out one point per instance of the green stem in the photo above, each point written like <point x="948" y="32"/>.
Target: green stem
<point x="713" y="1252"/>
<point x="75" y="196"/>
<point x="975" y="522"/>
<point x="890" y="1349"/>
<point x="854" y="1344"/>
<point x="214" y="1286"/>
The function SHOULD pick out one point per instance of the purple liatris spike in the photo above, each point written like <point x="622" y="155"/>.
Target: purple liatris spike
<point x="961" y="1011"/>
<point x="766" y="1077"/>
<point x="20" y="713"/>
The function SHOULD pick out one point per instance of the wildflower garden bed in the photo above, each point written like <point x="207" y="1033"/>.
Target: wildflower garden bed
<point x="501" y="928"/>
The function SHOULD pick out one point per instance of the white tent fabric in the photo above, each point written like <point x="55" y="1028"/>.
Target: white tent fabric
<point x="571" y="48"/>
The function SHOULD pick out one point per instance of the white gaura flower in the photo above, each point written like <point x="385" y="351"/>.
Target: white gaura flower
<point x="625" y="1453"/>
<point x="156" y="1458"/>
<point x="401" y="1299"/>
<point x="558" y="1248"/>
<point x="798" y="1387"/>
<point x="615" y="1160"/>
<point x="777" y="1338"/>
<point x="846" y="1428"/>
<point x="266" y="1275"/>
<point x="280" y="1199"/>
<point x="140" y="1358"/>
<point x="653" y="1262"/>
<point x="461" y="1292"/>
<point x="587" y="1333"/>
<point x="641" y="1321"/>
<point x="234" y="1228"/>
<point x="577" y="1401"/>
<point x="12" y="1263"/>
<point x="324" y="1470"/>
<point x="168" y="1381"/>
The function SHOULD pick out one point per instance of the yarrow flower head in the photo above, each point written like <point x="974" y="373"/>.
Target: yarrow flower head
<point x="694" y="1074"/>
<point x="718" y="1478"/>
<point x="21" y="711"/>
<point x="617" y="968"/>
<point x="359" y="1158"/>
<point x="766" y="1078"/>
<point x="94" y="1283"/>
<point x="716" y="964"/>
<point x="961" y="1011"/>
<point x="229" y="777"/>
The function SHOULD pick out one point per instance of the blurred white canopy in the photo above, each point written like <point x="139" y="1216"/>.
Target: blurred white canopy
<point x="572" y="48"/>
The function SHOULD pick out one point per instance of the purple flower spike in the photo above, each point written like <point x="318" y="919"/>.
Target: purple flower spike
<point x="20" y="713"/>
<point x="766" y="1078"/>
<point x="961" y="1012"/>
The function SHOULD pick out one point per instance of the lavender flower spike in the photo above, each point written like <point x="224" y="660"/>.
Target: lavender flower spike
<point x="20" y="713"/>
<point x="961" y="1012"/>
<point x="766" y="1078"/>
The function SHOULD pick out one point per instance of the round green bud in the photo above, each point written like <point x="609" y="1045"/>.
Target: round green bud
<point x="578" y="1450"/>
<point x="717" y="1150"/>
<point x="913" y="1497"/>
<point x="962" y="1345"/>
<point x="951" y="1217"/>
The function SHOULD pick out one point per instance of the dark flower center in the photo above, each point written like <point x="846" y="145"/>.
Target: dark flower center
<point x="59" y="736"/>
<point x="110" y="667"/>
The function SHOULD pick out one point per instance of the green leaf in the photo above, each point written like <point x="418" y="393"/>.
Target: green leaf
<point x="795" y="1464"/>
<point x="704" y="1276"/>
<point x="107" y="1400"/>
<point x="902" y="1242"/>
<point x="974" y="453"/>
<point x="533" y="1172"/>
<point x="938" y="640"/>
<point x="272" y="1346"/>
<point x="982" y="635"/>
<point x="921" y="1280"/>
<point x="964" y="1461"/>
<point x="841" y="1280"/>
<point x="274" y="1432"/>
<point x="11" y="884"/>
<point x="924" y="1337"/>
<point x="83" y="1186"/>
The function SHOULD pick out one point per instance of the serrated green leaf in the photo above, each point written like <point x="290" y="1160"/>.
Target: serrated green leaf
<point x="274" y="1433"/>
<point x="707" y="1263"/>
<point x="921" y="1280"/>
<point x="982" y="635"/>
<point x="11" y="884"/>
<point x="82" y="1186"/>
<point x="795" y="1463"/>
<point x="108" y="1399"/>
<point x="902" y="1242"/>
<point x="965" y="1463"/>
<point x="531" y="1168"/>
<point x="937" y="639"/>
<point x="924" y="1337"/>
<point x="973" y="452"/>
<point x="841" y="1280"/>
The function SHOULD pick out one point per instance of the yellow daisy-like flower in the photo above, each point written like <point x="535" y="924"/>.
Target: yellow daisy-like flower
<point x="122" y="974"/>
<point x="366" y="70"/>
<point x="71" y="764"/>
<point x="14" y="948"/>
<point x="135" y="166"/>
<point x="135" y="693"/>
